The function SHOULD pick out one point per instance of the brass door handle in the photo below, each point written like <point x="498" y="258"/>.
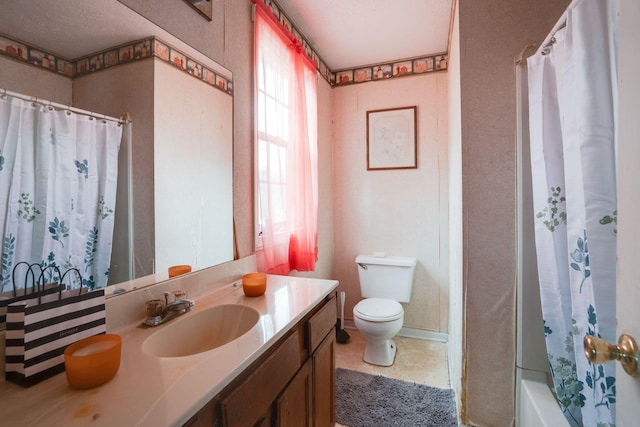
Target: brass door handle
<point x="598" y="350"/>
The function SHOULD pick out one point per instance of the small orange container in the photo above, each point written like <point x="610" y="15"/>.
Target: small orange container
<point x="177" y="270"/>
<point x="254" y="284"/>
<point x="92" y="361"/>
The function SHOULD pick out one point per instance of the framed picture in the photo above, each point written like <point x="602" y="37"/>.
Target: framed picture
<point x="391" y="139"/>
<point x="203" y="7"/>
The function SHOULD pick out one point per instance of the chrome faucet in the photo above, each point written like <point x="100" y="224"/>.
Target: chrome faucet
<point x="159" y="312"/>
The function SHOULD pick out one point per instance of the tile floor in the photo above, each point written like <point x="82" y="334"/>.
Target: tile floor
<point x="420" y="361"/>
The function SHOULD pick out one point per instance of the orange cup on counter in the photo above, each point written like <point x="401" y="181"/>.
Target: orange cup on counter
<point x="92" y="361"/>
<point x="254" y="284"/>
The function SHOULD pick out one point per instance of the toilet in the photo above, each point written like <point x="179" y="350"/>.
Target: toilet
<point x="385" y="282"/>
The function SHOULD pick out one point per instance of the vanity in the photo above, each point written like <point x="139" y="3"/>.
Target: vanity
<point x="291" y="384"/>
<point x="280" y="372"/>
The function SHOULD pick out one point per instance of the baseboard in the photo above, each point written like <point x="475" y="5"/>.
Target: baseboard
<point x="423" y="334"/>
<point x="420" y="334"/>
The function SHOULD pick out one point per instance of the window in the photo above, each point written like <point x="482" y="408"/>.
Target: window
<point x="286" y="148"/>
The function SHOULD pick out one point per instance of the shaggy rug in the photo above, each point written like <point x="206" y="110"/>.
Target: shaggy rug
<point x="364" y="400"/>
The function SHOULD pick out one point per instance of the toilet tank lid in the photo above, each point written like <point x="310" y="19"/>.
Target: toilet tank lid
<point x="389" y="260"/>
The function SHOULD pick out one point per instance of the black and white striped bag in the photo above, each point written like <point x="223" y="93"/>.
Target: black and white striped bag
<point x="37" y="334"/>
<point x="49" y="293"/>
<point x="34" y="289"/>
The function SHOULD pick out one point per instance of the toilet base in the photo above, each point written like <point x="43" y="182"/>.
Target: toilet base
<point x="382" y="353"/>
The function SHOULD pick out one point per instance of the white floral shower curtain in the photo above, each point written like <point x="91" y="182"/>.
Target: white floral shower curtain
<point x="58" y="176"/>
<point x="572" y="101"/>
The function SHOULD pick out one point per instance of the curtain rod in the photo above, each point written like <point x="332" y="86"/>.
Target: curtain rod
<point x="562" y="22"/>
<point x="551" y="37"/>
<point x="123" y="120"/>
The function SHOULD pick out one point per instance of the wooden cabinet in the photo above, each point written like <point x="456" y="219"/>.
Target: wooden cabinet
<point x="322" y="341"/>
<point x="295" y="404"/>
<point x="292" y="384"/>
<point x="324" y="383"/>
<point x="204" y="417"/>
<point x="250" y="402"/>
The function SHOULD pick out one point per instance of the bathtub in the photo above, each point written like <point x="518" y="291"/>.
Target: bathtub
<point x="537" y="406"/>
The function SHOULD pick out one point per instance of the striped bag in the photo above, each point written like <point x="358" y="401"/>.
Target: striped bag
<point x="37" y="334"/>
<point x="35" y="289"/>
<point x="33" y="296"/>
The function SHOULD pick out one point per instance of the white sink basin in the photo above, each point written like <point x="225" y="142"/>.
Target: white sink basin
<point x="201" y="331"/>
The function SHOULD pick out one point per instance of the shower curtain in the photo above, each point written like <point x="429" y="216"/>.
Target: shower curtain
<point x="58" y="173"/>
<point x="572" y="108"/>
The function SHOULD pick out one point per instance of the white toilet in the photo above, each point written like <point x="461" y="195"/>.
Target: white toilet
<point x="385" y="282"/>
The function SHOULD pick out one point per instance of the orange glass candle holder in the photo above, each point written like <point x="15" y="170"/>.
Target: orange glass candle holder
<point x="254" y="284"/>
<point x="92" y="361"/>
<point x="177" y="270"/>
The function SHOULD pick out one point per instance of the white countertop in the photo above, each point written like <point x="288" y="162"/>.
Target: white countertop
<point x="152" y="391"/>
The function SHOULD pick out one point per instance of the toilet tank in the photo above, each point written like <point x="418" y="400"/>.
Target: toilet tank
<point x="386" y="277"/>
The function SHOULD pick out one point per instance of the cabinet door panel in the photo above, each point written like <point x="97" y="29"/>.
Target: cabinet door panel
<point x="321" y="323"/>
<point x="324" y="382"/>
<point x="295" y="404"/>
<point x="205" y="416"/>
<point x="252" y="399"/>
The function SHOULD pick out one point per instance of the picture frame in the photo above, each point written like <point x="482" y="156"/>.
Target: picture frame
<point x="391" y="139"/>
<point x="203" y="7"/>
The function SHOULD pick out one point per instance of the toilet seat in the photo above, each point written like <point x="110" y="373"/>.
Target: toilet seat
<point x="378" y="310"/>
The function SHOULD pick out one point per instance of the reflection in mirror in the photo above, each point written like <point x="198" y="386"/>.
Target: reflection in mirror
<point x="174" y="196"/>
<point x="58" y="178"/>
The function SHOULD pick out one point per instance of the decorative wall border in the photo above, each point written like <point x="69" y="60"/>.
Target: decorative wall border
<point x="118" y="55"/>
<point x="363" y="74"/>
<point x="152" y="46"/>
<point x="427" y="64"/>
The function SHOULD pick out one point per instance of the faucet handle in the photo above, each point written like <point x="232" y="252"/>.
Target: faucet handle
<point x="153" y="307"/>
<point x="175" y="296"/>
<point x="179" y="294"/>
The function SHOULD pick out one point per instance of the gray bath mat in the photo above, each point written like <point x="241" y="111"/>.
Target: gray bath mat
<point x="364" y="400"/>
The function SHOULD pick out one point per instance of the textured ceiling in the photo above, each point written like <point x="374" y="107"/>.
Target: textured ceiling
<point x="72" y="28"/>
<point x="351" y="33"/>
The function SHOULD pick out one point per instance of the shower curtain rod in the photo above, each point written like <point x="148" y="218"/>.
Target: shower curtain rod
<point x="123" y="120"/>
<point x="551" y="39"/>
<point x="562" y="22"/>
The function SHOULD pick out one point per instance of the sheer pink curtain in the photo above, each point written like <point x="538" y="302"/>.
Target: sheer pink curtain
<point x="287" y="147"/>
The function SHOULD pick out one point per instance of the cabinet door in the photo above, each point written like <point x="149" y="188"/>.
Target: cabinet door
<point x="321" y="323"/>
<point x="295" y="406"/>
<point x="250" y="403"/>
<point x="205" y="416"/>
<point x="324" y="382"/>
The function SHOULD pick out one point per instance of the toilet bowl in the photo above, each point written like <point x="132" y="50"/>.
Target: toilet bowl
<point x="379" y="320"/>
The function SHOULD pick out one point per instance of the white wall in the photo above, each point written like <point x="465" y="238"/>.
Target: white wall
<point x="399" y="212"/>
<point x="29" y="80"/>
<point x="193" y="158"/>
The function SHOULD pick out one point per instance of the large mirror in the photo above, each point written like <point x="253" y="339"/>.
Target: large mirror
<point x="175" y="175"/>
